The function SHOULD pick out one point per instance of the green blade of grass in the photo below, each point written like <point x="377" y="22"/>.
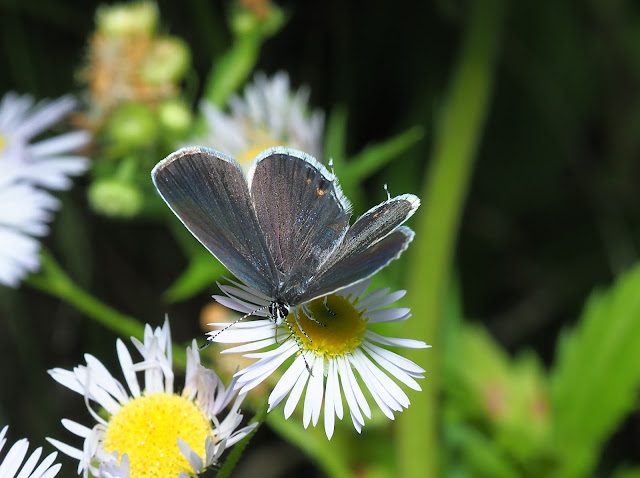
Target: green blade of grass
<point x="456" y="141"/>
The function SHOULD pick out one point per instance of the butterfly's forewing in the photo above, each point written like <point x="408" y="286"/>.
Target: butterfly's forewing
<point x="373" y="241"/>
<point x="301" y="210"/>
<point x="208" y="192"/>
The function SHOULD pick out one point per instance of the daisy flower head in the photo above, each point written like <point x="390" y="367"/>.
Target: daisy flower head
<point x="27" y="170"/>
<point x="269" y="114"/>
<point x="47" y="163"/>
<point x="11" y="463"/>
<point x="151" y="431"/>
<point x="332" y="350"/>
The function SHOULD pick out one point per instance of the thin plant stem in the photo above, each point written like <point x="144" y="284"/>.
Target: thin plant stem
<point x="326" y="455"/>
<point x="445" y="188"/>
<point x="54" y="281"/>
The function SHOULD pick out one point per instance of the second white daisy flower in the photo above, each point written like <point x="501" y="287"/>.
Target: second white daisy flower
<point x="150" y="430"/>
<point x="269" y="114"/>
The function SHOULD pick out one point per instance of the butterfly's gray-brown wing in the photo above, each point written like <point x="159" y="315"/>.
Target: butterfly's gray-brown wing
<point x="373" y="241"/>
<point x="208" y="192"/>
<point x="301" y="210"/>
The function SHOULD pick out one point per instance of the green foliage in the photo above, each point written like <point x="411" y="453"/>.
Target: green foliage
<point x="201" y="273"/>
<point x="595" y="379"/>
<point x="233" y="68"/>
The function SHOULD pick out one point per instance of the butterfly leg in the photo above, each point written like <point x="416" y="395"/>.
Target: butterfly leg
<point x="326" y="306"/>
<point x="298" y="341"/>
<point x="309" y="314"/>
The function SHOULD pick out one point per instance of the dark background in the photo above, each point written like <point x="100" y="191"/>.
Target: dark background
<point x="552" y="211"/>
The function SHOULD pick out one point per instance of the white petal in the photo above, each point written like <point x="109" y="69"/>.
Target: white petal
<point x="66" y="449"/>
<point x="329" y="410"/>
<point x="387" y="384"/>
<point x="387" y="300"/>
<point x="385" y="402"/>
<point x="355" y="386"/>
<point x="76" y="428"/>
<point x="14" y="458"/>
<point x="235" y="335"/>
<point x="406" y="343"/>
<point x="250" y="347"/>
<point x="404" y="363"/>
<point x="393" y="369"/>
<point x="352" y="403"/>
<point x="192" y="457"/>
<point x="63" y="143"/>
<point x="308" y="402"/>
<point x="298" y="388"/>
<point x="337" y="397"/>
<point x="371" y="298"/>
<point x="286" y="382"/>
<point x="316" y="389"/>
<point x="388" y="315"/>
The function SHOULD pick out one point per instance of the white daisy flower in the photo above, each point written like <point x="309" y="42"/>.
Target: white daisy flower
<point x="150" y="430"/>
<point x="26" y="170"/>
<point x="10" y="464"/>
<point x="334" y="345"/>
<point x="268" y="115"/>
<point x="46" y="163"/>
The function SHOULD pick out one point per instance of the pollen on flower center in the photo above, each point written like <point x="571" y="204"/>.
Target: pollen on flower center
<point x="342" y="329"/>
<point x="147" y="429"/>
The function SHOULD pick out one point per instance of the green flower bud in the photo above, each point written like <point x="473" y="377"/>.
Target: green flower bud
<point x="114" y="197"/>
<point x="127" y="18"/>
<point x="175" y="116"/>
<point x="168" y="61"/>
<point x="246" y="22"/>
<point x="131" y="126"/>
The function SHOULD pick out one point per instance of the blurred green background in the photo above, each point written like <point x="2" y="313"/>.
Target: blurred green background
<point x="550" y="213"/>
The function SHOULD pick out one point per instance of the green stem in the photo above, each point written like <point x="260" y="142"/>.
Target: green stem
<point x="232" y="70"/>
<point x="54" y="281"/>
<point x="314" y="444"/>
<point x="373" y="158"/>
<point x="238" y="448"/>
<point x="460" y="128"/>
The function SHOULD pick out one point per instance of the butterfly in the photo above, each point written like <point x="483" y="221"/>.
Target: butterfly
<point x="282" y="229"/>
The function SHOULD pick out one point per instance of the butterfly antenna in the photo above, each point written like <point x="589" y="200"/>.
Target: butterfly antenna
<point x="298" y="341"/>
<point x="213" y="336"/>
<point x="387" y="190"/>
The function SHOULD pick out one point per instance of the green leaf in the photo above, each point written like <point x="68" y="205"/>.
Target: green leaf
<point x="233" y="68"/>
<point x="595" y="380"/>
<point x="627" y="473"/>
<point x="478" y="455"/>
<point x="374" y="157"/>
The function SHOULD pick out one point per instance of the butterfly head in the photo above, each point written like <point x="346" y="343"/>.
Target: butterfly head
<point x="278" y="311"/>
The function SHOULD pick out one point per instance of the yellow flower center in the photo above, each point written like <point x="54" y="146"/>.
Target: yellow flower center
<point x="147" y="429"/>
<point x="260" y="143"/>
<point x="342" y="329"/>
<point x="2" y="142"/>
